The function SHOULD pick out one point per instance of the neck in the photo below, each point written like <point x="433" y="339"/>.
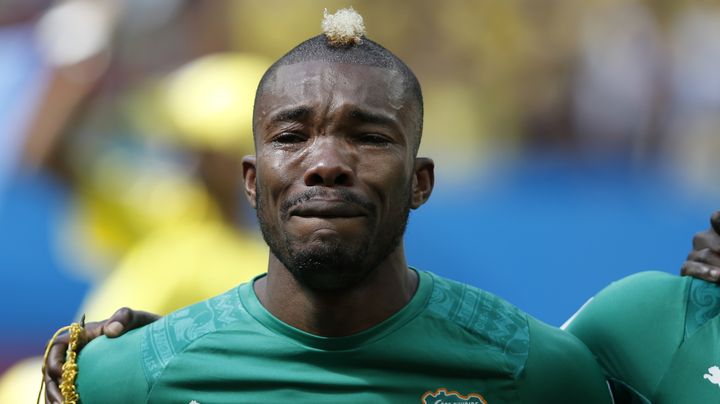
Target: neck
<point x="386" y="290"/>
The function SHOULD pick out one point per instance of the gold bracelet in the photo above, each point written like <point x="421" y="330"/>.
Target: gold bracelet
<point x="69" y="368"/>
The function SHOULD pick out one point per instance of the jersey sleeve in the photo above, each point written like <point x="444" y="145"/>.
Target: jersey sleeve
<point x="110" y="371"/>
<point x="560" y="369"/>
<point x="633" y="326"/>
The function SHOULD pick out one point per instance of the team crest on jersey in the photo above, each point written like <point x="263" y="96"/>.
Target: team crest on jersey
<point x="443" y="396"/>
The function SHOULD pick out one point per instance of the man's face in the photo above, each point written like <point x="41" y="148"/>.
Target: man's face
<point x="334" y="172"/>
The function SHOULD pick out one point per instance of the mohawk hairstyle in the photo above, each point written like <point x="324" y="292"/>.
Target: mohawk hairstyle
<point x="343" y="41"/>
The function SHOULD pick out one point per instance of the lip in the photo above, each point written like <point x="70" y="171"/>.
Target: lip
<point x="327" y="208"/>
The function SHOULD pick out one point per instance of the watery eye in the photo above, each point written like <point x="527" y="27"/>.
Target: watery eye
<point x="371" y="138"/>
<point x="289" y="138"/>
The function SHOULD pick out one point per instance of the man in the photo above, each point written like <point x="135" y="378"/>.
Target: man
<point x="337" y="125"/>
<point x="656" y="335"/>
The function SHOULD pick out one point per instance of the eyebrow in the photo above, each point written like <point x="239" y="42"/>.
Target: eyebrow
<point x="291" y="115"/>
<point x="296" y="114"/>
<point x="371" y="117"/>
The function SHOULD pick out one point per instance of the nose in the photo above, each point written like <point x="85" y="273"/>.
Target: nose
<point x="329" y="165"/>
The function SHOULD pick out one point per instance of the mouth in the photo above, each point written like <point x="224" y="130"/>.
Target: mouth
<point x="327" y="209"/>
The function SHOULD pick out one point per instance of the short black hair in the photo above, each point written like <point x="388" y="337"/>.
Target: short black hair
<point x="366" y="52"/>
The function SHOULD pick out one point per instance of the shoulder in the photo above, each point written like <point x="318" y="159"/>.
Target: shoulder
<point x="703" y="304"/>
<point x="560" y="368"/>
<point x="116" y="360"/>
<point x="501" y="327"/>
<point x="645" y="287"/>
<point x="634" y="327"/>
<point x="140" y="356"/>
<point x="540" y="358"/>
<point x="170" y="336"/>
<point x="473" y="308"/>
<point x="631" y="303"/>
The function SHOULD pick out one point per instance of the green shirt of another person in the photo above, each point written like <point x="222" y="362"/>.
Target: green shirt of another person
<point x="657" y="336"/>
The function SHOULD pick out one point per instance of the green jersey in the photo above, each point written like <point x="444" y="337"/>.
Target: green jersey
<point x="451" y="343"/>
<point x="657" y="336"/>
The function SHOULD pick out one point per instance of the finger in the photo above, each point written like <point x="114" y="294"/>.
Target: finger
<point x="126" y="319"/>
<point x="707" y="239"/>
<point x="143" y="318"/>
<point x="52" y="392"/>
<point x="93" y="330"/>
<point x="701" y="240"/>
<point x="118" y="322"/>
<point x="715" y="222"/>
<point x="705" y="256"/>
<point x="700" y="271"/>
<point x="56" y="357"/>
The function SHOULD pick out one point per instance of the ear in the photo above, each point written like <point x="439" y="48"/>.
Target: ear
<point x="250" y="176"/>
<point x="423" y="181"/>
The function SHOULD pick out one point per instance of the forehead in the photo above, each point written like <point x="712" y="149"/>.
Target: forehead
<point x="324" y="83"/>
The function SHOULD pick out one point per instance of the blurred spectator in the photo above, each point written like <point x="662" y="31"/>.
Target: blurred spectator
<point x="693" y="124"/>
<point x="619" y="82"/>
<point x="154" y="165"/>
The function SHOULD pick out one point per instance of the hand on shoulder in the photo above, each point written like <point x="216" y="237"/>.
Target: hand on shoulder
<point x="122" y="321"/>
<point x="704" y="260"/>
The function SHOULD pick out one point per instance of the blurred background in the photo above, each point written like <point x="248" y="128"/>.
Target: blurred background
<point x="575" y="143"/>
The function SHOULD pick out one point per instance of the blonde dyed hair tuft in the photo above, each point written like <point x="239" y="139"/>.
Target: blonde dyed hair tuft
<point x="343" y="28"/>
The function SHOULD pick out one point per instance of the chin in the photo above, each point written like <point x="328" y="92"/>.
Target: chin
<point x="329" y="267"/>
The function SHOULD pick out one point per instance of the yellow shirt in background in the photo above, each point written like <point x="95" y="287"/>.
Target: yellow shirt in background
<point x="177" y="266"/>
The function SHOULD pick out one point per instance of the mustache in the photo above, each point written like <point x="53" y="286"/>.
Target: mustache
<point x="340" y="194"/>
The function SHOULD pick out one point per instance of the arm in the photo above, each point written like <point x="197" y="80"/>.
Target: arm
<point x="560" y="369"/>
<point x="704" y="260"/>
<point x="120" y="322"/>
<point x="633" y="328"/>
